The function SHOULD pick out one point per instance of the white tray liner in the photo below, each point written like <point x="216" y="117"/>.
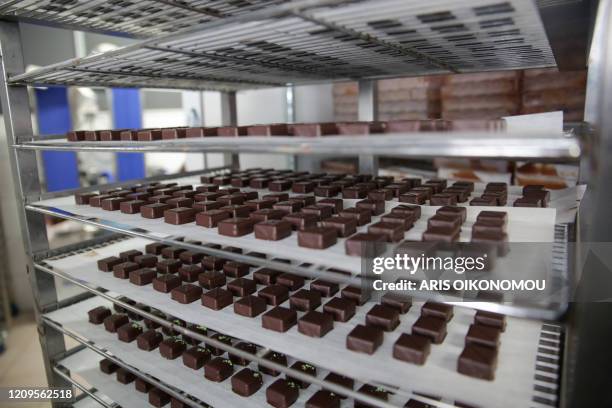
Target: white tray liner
<point x="513" y="385"/>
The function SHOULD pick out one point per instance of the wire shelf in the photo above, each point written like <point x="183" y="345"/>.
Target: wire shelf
<point x="314" y="41"/>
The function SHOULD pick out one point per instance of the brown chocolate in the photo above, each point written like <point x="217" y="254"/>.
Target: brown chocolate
<point x="305" y="300"/>
<point x="129" y="332"/>
<point x="218" y="369"/>
<point x="107" y="366"/>
<point x="211" y="218"/>
<point x="364" y="339"/>
<point x="279" y="319"/>
<point x="246" y="382"/>
<point x="217" y="299"/>
<point x="315" y="324"/>
<point x="397" y="301"/>
<point x="114" y="321"/>
<point x="265" y="276"/>
<point x="325" y="288"/>
<point x="155" y="210"/>
<point x="250" y="306"/>
<point x="146" y="260"/>
<point x="482" y="335"/>
<point x="124" y="376"/>
<point x="431" y="327"/>
<point x="478" y="362"/>
<point x="490" y="319"/>
<point x="342" y="310"/>
<point x="186" y="293"/>
<point x="274" y="295"/>
<point x="98" y="314"/>
<point x="383" y="317"/>
<point x="211" y="279"/>
<point x="172" y="347"/>
<point x="282" y="393"/>
<point x="290" y="280"/>
<point x="235" y="227"/>
<point x="242" y="287"/>
<point x="273" y="230"/>
<point x="107" y="264"/>
<point x="412" y="348"/>
<point x="196" y="357"/>
<point x="317" y="237"/>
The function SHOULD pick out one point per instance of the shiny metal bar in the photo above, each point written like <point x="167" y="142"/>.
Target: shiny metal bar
<point x="368" y="112"/>
<point x="84" y="389"/>
<point x="502" y="145"/>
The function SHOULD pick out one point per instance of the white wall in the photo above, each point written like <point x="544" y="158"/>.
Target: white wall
<point x="314" y="103"/>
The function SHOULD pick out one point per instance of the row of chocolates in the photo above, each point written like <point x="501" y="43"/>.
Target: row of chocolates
<point x="286" y="129"/>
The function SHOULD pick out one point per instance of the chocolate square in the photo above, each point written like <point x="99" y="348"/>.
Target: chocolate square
<point x="305" y="300"/>
<point x="317" y="237"/>
<point x="153" y="211"/>
<point x="246" y="382"/>
<point x="279" y="319"/>
<point x="250" y="306"/>
<point x="412" y="348"/>
<point x="186" y="293"/>
<point x="374" y="206"/>
<point x="131" y="207"/>
<point x="344" y="226"/>
<point x="364" y="339"/>
<point x="128" y="332"/>
<point x="141" y="277"/>
<point x="218" y="369"/>
<point x="124" y="376"/>
<point x="304" y="368"/>
<point x="236" y="269"/>
<point x="114" y="321"/>
<point x="282" y="393"/>
<point x="168" y="266"/>
<point x="478" y="362"/>
<point x="290" y="280"/>
<point x="288" y="206"/>
<point x="361" y="215"/>
<point x="274" y="295"/>
<point x="196" y="357"/>
<point x="381" y="195"/>
<point x="155" y="248"/>
<point x="172" y="347"/>
<point x="406" y="221"/>
<point x="146" y="260"/>
<point x="107" y="366"/>
<point x="393" y="232"/>
<point x="190" y="273"/>
<point x="366" y="245"/>
<point x="235" y="227"/>
<point x="439" y="310"/>
<point x="277" y="198"/>
<point x="158" y="398"/>
<point x="315" y="324"/>
<point x="481" y="335"/>
<point x="267" y="214"/>
<point x="321" y="211"/>
<point x="325" y="288"/>
<point x="300" y="221"/>
<point x="211" y="279"/>
<point x="383" y="317"/>
<point x="98" y="314"/>
<point x="273" y="230"/>
<point x="355" y="294"/>
<point x="265" y="276"/>
<point x="342" y="310"/>
<point x="179" y="216"/>
<point x="217" y="299"/>
<point x="211" y="218"/>
<point x="107" y="264"/>
<point x="430" y="327"/>
<point x="242" y="287"/>
<point x="490" y="319"/>
<point x="397" y="301"/>
<point x="149" y="340"/>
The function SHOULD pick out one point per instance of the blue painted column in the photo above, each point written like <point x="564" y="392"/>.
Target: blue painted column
<point x="127" y="114"/>
<point x="61" y="168"/>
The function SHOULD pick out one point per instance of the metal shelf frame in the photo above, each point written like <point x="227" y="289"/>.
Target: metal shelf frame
<point x="337" y="37"/>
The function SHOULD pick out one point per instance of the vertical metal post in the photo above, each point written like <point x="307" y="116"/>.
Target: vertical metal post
<point x="368" y="112"/>
<point x="17" y="120"/>
<point x="292" y="161"/>
<point x="229" y="117"/>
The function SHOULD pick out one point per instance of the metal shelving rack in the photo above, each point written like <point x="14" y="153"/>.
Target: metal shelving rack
<point x="230" y="46"/>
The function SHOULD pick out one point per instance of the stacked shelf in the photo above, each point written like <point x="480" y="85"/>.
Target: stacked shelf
<point x="232" y="46"/>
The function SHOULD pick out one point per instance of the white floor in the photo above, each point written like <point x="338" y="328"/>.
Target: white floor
<point x="21" y="365"/>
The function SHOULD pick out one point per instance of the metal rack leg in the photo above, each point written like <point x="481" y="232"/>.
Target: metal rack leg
<point x="17" y="120"/>
<point x="368" y="111"/>
<point x="229" y="117"/>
